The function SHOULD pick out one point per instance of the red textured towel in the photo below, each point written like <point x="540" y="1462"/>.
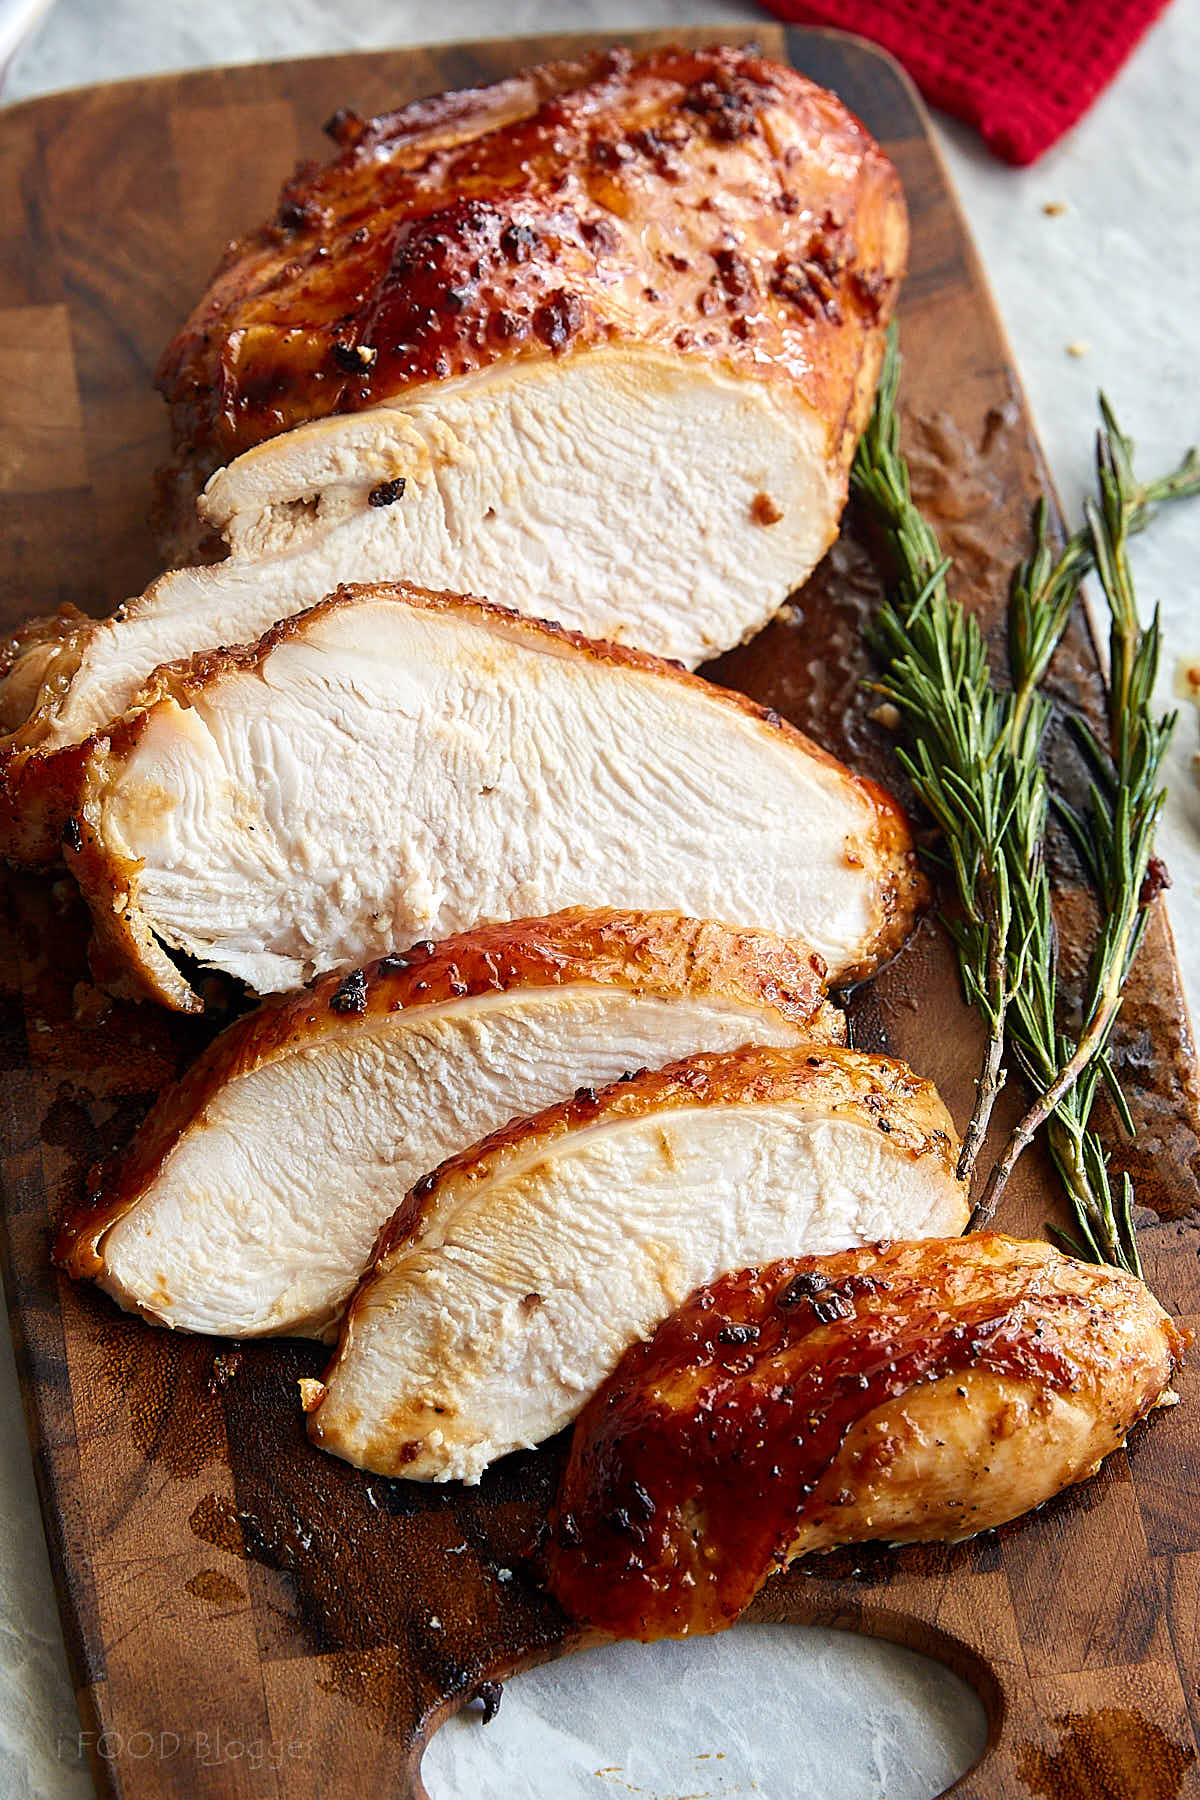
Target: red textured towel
<point x="1021" y="71"/>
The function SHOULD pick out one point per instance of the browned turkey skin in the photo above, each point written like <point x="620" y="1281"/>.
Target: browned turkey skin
<point x="653" y="200"/>
<point x="908" y="1392"/>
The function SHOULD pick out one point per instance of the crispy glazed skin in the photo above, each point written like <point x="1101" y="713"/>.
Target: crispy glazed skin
<point x="661" y="955"/>
<point x="908" y="1391"/>
<point x="128" y="957"/>
<point x="706" y="202"/>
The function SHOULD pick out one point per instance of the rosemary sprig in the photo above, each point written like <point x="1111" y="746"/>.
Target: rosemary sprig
<point x="1115" y="842"/>
<point x="936" y="675"/>
<point x="1044" y="587"/>
<point x="974" y="759"/>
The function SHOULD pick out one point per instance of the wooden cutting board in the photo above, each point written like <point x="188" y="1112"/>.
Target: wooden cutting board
<point x="220" y="1581"/>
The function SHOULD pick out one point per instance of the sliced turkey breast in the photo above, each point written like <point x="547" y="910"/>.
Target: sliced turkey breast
<point x="602" y="346"/>
<point x="708" y="202"/>
<point x="249" y="1202"/>
<point x="396" y="764"/>
<point x="704" y="211"/>
<point x="511" y="1281"/>
<point x="64" y="679"/>
<point x="904" y="1391"/>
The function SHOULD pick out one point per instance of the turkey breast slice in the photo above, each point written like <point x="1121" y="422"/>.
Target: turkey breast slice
<point x="581" y="490"/>
<point x="511" y="1281"/>
<point x="395" y="764"/>
<point x="249" y="1201"/>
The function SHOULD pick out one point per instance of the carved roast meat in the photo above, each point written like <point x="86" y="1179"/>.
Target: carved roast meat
<point x="614" y="323"/>
<point x="903" y="1391"/>
<point x="512" y="1280"/>
<point x="597" y="341"/>
<point x="252" y="1196"/>
<point x="394" y="764"/>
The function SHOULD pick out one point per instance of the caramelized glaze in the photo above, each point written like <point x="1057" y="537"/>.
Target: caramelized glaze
<point x="706" y="202"/>
<point x="702" y="1460"/>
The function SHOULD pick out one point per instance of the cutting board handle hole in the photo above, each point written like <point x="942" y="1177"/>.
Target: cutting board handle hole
<point x="804" y="1711"/>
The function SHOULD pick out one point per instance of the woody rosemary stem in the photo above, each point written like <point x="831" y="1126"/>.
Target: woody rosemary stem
<point x="992" y="1074"/>
<point x="1026" y="1130"/>
<point x="973" y="754"/>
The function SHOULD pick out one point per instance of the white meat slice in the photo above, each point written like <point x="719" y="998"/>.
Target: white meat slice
<point x="395" y="764"/>
<point x="513" y="481"/>
<point x="511" y="1281"/>
<point x="249" y="1202"/>
<point x="585" y="492"/>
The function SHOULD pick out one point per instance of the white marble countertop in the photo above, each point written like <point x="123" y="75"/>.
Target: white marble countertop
<point x="1113" y="270"/>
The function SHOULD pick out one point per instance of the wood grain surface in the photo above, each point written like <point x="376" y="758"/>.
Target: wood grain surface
<point x="221" y="1582"/>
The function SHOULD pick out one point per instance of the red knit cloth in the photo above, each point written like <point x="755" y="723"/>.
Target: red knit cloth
<point x="1021" y="71"/>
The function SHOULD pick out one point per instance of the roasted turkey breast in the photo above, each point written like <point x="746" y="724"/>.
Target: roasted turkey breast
<point x="511" y="1281"/>
<point x="555" y="297"/>
<point x="598" y="341"/>
<point x="906" y="1391"/>
<point x="251" y="1197"/>
<point x="396" y="764"/>
<point x="706" y="202"/>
